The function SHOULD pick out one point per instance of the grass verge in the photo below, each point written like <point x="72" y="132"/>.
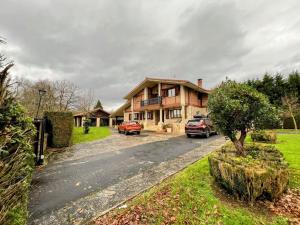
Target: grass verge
<point x="190" y="197"/>
<point x="289" y="145"/>
<point x="95" y="133"/>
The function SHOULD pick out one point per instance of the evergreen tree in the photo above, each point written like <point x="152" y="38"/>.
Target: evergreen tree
<point x="294" y="84"/>
<point x="98" y="105"/>
<point x="274" y="87"/>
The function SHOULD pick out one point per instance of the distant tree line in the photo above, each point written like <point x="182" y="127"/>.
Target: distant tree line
<point x="60" y="95"/>
<point x="283" y="92"/>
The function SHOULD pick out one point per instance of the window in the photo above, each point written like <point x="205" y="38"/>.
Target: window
<point x="136" y="116"/>
<point x="171" y="92"/>
<point x="149" y="116"/>
<point x="142" y="115"/>
<point x="175" y="113"/>
<point x="129" y="116"/>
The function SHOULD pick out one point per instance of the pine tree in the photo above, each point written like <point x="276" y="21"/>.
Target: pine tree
<point x="98" y="105"/>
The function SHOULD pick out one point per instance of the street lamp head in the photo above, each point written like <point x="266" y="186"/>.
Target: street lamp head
<point x="42" y="92"/>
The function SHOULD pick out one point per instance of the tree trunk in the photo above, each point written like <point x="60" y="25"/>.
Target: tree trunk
<point x="294" y="121"/>
<point x="239" y="147"/>
<point x="243" y="136"/>
<point x="292" y="115"/>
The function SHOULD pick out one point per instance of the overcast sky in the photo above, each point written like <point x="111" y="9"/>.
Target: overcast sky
<point x="110" y="46"/>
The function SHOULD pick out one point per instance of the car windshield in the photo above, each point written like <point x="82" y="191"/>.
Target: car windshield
<point x="194" y="122"/>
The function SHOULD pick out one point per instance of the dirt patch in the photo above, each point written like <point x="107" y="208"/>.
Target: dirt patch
<point x="287" y="205"/>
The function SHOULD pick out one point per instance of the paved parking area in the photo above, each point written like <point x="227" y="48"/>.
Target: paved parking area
<point x="99" y="173"/>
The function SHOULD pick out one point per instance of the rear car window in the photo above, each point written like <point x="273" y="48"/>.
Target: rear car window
<point x="194" y="122"/>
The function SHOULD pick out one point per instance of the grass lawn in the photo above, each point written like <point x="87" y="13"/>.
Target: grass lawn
<point x="289" y="145"/>
<point x="95" y="133"/>
<point x="190" y="197"/>
<point x="288" y="131"/>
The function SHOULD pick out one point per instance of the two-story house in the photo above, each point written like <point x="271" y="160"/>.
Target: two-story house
<point x="158" y="102"/>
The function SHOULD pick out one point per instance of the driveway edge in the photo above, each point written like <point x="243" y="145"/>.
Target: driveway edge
<point x="88" y="208"/>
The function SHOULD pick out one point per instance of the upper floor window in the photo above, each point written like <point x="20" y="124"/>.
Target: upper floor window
<point x="171" y="92"/>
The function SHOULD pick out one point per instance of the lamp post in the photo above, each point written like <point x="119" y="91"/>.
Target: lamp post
<point x="40" y="132"/>
<point x="41" y="94"/>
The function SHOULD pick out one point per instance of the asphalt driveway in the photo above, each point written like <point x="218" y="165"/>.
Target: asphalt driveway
<point x="91" y="167"/>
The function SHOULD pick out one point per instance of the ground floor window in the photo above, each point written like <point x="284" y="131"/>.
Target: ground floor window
<point x="142" y="115"/>
<point x="136" y="116"/>
<point x="175" y="113"/>
<point x="149" y="115"/>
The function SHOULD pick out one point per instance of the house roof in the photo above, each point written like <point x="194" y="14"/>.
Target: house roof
<point x="92" y="111"/>
<point x="119" y="111"/>
<point x="148" y="82"/>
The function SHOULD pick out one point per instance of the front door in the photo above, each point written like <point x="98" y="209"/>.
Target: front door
<point x="156" y="117"/>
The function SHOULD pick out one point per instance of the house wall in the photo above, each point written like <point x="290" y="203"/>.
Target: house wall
<point x="193" y="110"/>
<point x="171" y="101"/>
<point x="188" y="102"/>
<point x="126" y="116"/>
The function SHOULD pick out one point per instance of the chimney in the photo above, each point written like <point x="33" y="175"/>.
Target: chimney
<point x="200" y="82"/>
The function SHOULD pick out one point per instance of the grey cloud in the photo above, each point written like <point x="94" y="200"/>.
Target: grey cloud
<point x="110" y="46"/>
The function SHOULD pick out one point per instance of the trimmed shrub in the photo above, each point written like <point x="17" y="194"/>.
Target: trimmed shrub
<point x="264" y="136"/>
<point x="59" y="126"/>
<point x="288" y="122"/>
<point x="86" y="126"/>
<point x="262" y="174"/>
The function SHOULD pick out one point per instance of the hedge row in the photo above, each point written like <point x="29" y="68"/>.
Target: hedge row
<point x="16" y="163"/>
<point x="59" y="126"/>
<point x="264" y="136"/>
<point x="262" y="174"/>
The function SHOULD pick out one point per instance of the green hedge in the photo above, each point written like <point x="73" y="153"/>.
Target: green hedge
<point x="289" y="124"/>
<point x="264" y="136"/>
<point x="16" y="163"/>
<point x="59" y="126"/>
<point x="262" y="174"/>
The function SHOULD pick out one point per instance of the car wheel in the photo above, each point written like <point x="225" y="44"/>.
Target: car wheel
<point x="119" y="131"/>
<point x="188" y="135"/>
<point x="207" y="134"/>
<point x="126" y="132"/>
<point x="138" y="132"/>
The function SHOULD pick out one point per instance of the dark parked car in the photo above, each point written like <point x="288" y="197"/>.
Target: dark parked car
<point x="130" y="127"/>
<point x="201" y="126"/>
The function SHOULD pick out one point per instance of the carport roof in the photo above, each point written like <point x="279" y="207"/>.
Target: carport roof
<point x="92" y="111"/>
<point x="119" y="111"/>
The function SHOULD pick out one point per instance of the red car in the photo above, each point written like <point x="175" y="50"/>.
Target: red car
<point x="199" y="126"/>
<point x="130" y="127"/>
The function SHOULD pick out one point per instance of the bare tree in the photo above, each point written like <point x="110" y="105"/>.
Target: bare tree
<point x="291" y="105"/>
<point x="60" y="95"/>
<point x="66" y="94"/>
<point x="86" y="100"/>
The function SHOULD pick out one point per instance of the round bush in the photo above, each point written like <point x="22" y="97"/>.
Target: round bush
<point x="264" y="136"/>
<point x="262" y="174"/>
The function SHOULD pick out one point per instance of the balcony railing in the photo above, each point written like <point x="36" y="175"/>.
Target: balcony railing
<point x="151" y="101"/>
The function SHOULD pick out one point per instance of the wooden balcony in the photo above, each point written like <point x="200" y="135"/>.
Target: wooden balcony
<point x="151" y="103"/>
